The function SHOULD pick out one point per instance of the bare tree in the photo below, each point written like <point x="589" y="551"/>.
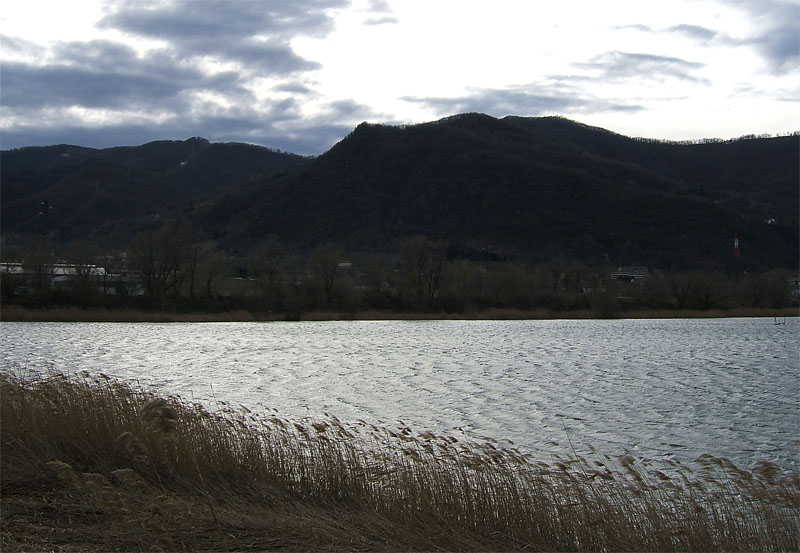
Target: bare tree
<point x="423" y="264"/>
<point x="265" y="265"/>
<point x="39" y="261"/>
<point x="158" y="258"/>
<point x="466" y="285"/>
<point x="114" y="276"/>
<point x="326" y="265"/>
<point x="511" y="286"/>
<point x="82" y="257"/>
<point x="373" y="269"/>
<point x="681" y="287"/>
<point x="710" y="288"/>
<point x="213" y="266"/>
<point x="777" y="285"/>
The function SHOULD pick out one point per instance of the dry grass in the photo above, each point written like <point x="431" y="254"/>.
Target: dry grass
<point x="95" y="465"/>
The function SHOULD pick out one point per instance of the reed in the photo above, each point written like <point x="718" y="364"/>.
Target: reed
<point x="92" y="464"/>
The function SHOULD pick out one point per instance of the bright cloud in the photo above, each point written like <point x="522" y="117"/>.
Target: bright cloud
<point x="300" y="75"/>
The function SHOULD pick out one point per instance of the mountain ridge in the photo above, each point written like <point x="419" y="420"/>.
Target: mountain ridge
<point x="530" y="188"/>
<point x="115" y="192"/>
<point x="481" y="183"/>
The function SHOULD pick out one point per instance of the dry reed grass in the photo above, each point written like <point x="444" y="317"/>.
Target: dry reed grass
<point x="90" y="464"/>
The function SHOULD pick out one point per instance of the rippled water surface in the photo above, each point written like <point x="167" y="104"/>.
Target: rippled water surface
<point x="652" y="388"/>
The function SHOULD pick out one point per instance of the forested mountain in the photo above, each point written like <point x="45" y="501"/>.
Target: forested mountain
<point x="110" y="194"/>
<point x="536" y="189"/>
<point x="761" y="173"/>
<point x="521" y="188"/>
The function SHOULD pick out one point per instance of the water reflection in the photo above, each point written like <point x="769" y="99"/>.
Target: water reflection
<point x="651" y="387"/>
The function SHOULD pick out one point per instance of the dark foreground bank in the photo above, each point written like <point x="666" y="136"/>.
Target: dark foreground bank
<point x="95" y="465"/>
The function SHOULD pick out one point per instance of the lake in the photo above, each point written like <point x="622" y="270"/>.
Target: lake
<point x="672" y="388"/>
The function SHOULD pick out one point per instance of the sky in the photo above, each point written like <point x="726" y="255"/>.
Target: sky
<point x="299" y="75"/>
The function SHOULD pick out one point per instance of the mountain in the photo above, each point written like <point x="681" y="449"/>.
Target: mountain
<point x="761" y="173"/>
<point x="534" y="189"/>
<point x="112" y="193"/>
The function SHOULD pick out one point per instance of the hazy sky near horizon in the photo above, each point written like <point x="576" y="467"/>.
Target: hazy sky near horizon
<point x="298" y="75"/>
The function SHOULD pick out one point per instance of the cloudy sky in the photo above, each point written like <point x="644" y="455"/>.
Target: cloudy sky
<point x="298" y="75"/>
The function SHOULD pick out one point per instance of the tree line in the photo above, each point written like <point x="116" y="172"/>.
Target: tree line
<point x="173" y="269"/>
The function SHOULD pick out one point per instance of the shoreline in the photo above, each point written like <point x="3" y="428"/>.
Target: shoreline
<point x="16" y="313"/>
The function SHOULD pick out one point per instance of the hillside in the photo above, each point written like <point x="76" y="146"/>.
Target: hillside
<point x="762" y="174"/>
<point x="522" y="188"/>
<point x="112" y="193"/>
<point x="504" y="186"/>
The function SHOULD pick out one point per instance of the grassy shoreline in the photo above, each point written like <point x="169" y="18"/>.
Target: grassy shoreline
<point x="96" y="465"/>
<point x="16" y="313"/>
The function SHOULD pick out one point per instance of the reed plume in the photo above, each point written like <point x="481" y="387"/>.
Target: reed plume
<point x="93" y="464"/>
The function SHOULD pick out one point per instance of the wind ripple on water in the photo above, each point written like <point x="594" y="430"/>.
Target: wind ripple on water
<point x="653" y="387"/>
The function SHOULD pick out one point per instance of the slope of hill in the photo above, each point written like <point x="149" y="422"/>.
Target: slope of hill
<point x="112" y="193"/>
<point x="763" y="174"/>
<point x="526" y="188"/>
<point x="483" y="183"/>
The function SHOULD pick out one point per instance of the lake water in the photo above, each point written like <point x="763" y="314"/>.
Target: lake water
<point x="650" y="388"/>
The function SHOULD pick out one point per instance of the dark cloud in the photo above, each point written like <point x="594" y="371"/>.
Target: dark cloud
<point x="379" y="6"/>
<point x="386" y="20"/>
<point x="98" y="54"/>
<point x="15" y="45"/>
<point x="213" y="20"/>
<point x="268" y="57"/>
<point x="348" y="108"/>
<point x="294" y="88"/>
<point x="635" y="27"/>
<point x="278" y="124"/>
<point x="196" y="78"/>
<point x="776" y="31"/>
<point x="626" y="65"/>
<point x="309" y="138"/>
<point x="252" y="33"/>
<point x="26" y="86"/>
<point x="174" y="83"/>
<point x="381" y="13"/>
<point x="780" y="46"/>
<point x="95" y="137"/>
<point x="118" y="61"/>
<point x="695" y="32"/>
<point x="531" y="100"/>
<point x="104" y="74"/>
